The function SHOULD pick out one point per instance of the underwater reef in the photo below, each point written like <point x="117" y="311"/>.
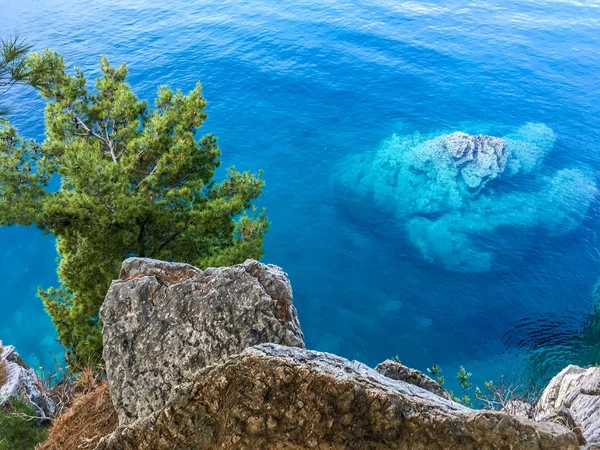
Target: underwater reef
<point x="450" y="192"/>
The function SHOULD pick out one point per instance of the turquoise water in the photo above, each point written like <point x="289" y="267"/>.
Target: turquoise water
<point x="303" y="89"/>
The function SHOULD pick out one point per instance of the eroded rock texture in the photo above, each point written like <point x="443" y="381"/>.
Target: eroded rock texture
<point x="275" y="397"/>
<point x="165" y="321"/>
<point x="573" y="398"/>
<point x="17" y="379"/>
<point x="479" y="158"/>
<point x="397" y="371"/>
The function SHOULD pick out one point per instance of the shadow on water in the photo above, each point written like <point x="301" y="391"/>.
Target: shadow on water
<point x="551" y="341"/>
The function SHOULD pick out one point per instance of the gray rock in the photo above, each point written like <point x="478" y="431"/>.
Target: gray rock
<point x="573" y="398"/>
<point x="564" y="416"/>
<point x="163" y="322"/>
<point x="275" y="397"/>
<point x="397" y="371"/>
<point x="17" y="379"/>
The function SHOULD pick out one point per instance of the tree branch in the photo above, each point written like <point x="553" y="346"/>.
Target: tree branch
<point x="107" y="141"/>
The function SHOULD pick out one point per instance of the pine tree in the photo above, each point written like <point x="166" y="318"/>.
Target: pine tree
<point x="134" y="181"/>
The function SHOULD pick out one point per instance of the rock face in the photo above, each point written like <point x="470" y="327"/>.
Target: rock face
<point x="17" y="379"/>
<point x="275" y="397"/>
<point x="397" y="371"/>
<point x="165" y="321"/>
<point x="573" y="398"/>
<point x="215" y="359"/>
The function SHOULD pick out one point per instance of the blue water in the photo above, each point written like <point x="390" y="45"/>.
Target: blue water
<point x="295" y="88"/>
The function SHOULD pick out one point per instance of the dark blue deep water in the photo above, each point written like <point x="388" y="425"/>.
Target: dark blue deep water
<point x="295" y="88"/>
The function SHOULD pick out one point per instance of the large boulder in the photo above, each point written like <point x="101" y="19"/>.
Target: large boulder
<point x="275" y="397"/>
<point x="18" y="380"/>
<point x="573" y="398"/>
<point x="165" y="321"/>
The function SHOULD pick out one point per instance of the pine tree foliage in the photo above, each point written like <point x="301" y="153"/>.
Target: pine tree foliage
<point x="15" y="67"/>
<point x="134" y="181"/>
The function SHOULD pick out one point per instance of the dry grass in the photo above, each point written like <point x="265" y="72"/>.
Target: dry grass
<point x="3" y="372"/>
<point x="65" y="383"/>
<point x="90" y="417"/>
<point x="3" y="368"/>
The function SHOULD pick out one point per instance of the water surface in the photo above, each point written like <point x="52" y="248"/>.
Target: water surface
<point x="294" y="89"/>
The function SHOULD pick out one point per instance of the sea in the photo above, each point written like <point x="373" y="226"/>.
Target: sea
<point x="296" y="89"/>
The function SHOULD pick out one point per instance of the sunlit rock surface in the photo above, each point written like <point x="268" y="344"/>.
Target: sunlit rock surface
<point x="19" y="380"/>
<point x="450" y="193"/>
<point x="275" y="397"/>
<point x="573" y="398"/>
<point x="165" y="321"/>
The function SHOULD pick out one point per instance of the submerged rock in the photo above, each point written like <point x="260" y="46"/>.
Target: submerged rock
<point x="164" y="321"/>
<point x="528" y="146"/>
<point x="445" y="191"/>
<point x="275" y="397"/>
<point x="18" y="380"/>
<point x="573" y="398"/>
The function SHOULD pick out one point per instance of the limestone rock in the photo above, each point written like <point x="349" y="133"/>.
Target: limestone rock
<point x="275" y="397"/>
<point x="397" y="371"/>
<point x="165" y="321"/>
<point x="17" y="379"/>
<point x="573" y="398"/>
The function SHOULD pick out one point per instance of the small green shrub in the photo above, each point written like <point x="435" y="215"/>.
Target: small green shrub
<point x="512" y="398"/>
<point x="18" y="429"/>
<point x="434" y="371"/>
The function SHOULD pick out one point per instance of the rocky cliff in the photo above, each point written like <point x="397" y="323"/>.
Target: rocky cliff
<point x="573" y="399"/>
<point x="215" y="359"/>
<point x="277" y="397"/>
